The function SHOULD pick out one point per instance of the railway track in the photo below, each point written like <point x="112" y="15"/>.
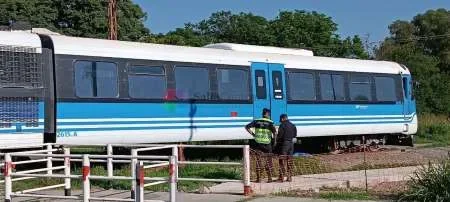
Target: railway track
<point x="361" y="148"/>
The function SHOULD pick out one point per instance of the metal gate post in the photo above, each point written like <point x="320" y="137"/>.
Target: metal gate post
<point x="67" y="185"/>
<point x="49" y="159"/>
<point x="175" y="153"/>
<point x="173" y="167"/>
<point x="86" y="173"/>
<point x="140" y="181"/>
<point x="7" y="174"/>
<point x="134" y="155"/>
<point x="247" y="186"/>
<point x="109" y="152"/>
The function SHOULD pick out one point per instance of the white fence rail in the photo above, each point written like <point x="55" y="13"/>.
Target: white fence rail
<point x="138" y="163"/>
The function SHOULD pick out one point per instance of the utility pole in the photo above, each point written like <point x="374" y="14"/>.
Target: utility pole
<point x="368" y="45"/>
<point x="366" y="42"/>
<point x="112" y="20"/>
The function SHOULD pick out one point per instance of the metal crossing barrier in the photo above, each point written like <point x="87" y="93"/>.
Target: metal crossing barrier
<point x="138" y="164"/>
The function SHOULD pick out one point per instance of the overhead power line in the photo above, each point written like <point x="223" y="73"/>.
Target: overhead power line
<point x="422" y="38"/>
<point x="418" y="38"/>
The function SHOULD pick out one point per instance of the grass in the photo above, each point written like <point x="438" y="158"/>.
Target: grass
<point x="369" y="166"/>
<point x="197" y="171"/>
<point x="433" y="130"/>
<point x="331" y="194"/>
<point x="430" y="183"/>
<point x="88" y="150"/>
<point x="346" y="195"/>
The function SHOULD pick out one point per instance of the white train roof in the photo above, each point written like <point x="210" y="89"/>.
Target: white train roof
<point x="147" y="51"/>
<point x="260" y="49"/>
<point x="20" y="39"/>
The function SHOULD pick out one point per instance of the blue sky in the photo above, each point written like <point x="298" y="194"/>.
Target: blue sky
<point x="354" y="17"/>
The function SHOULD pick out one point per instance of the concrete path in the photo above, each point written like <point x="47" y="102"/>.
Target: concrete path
<point x="183" y="197"/>
<point x="316" y="181"/>
<point x="124" y="194"/>
<point x="291" y="199"/>
<point x="226" y="192"/>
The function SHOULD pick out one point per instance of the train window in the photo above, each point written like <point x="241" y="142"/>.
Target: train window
<point x="277" y="83"/>
<point x="360" y="88"/>
<point x="332" y="87"/>
<point x="232" y="84"/>
<point x="385" y="88"/>
<point x="141" y="77"/>
<point x="302" y="86"/>
<point x="326" y="87"/>
<point x="192" y="82"/>
<point x="260" y="83"/>
<point x="338" y="86"/>
<point x="405" y="87"/>
<point x="96" y="79"/>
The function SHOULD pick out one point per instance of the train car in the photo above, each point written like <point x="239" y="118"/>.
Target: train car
<point x="62" y="89"/>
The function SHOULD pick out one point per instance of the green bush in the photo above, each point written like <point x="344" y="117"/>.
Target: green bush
<point x="430" y="183"/>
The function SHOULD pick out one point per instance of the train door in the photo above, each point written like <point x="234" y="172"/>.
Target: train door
<point x="268" y="89"/>
<point x="409" y="104"/>
<point x="407" y="94"/>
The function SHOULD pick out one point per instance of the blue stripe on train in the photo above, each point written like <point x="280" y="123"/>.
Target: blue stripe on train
<point x="153" y="110"/>
<point x="161" y="110"/>
<point x="222" y="121"/>
<point x="199" y="127"/>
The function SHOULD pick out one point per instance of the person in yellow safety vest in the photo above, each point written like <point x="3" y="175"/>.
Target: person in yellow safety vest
<point x="264" y="131"/>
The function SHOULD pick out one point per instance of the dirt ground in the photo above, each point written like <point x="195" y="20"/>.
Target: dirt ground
<point x="382" y="191"/>
<point x="387" y="157"/>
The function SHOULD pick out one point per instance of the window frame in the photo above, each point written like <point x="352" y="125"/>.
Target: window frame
<point x="376" y="89"/>
<point x="347" y="79"/>
<point x="249" y="86"/>
<point x="164" y="75"/>
<point x="118" y="75"/>
<point x="371" y="87"/>
<point x="278" y="94"/>
<point x="210" y="88"/>
<point x="288" y="86"/>
<point x="398" y="81"/>
<point x="266" y="95"/>
<point x="345" y="86"/>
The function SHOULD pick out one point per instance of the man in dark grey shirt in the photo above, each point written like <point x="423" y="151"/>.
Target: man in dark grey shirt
<point x="285" y="146"/>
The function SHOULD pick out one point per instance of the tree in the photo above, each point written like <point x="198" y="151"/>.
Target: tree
<point x="299" y="29"/>
<point x="35" y="12"/>
<point x="83" y="18"/>
<point x="423" y="45"/>
<point x="244" y="28"/>
<point x="434" y="28"/>
<point x="291" y="29"/>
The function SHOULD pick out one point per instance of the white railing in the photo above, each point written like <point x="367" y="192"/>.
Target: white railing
<point x="138" y="163"/>
<point x="48" y="156"/>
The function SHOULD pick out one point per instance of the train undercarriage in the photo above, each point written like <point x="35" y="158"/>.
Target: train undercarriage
<point x="353" y="143"/>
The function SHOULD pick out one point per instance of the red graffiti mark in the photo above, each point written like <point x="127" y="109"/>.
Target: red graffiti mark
<point x="85" y="171"/>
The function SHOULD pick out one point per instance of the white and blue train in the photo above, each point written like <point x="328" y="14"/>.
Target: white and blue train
<point x="62" y="89"/>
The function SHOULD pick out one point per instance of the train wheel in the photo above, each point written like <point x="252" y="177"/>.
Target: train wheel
<point x="409" y="141"/>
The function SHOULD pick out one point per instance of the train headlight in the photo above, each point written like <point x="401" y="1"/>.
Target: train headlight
<point x="405" y="128"/>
